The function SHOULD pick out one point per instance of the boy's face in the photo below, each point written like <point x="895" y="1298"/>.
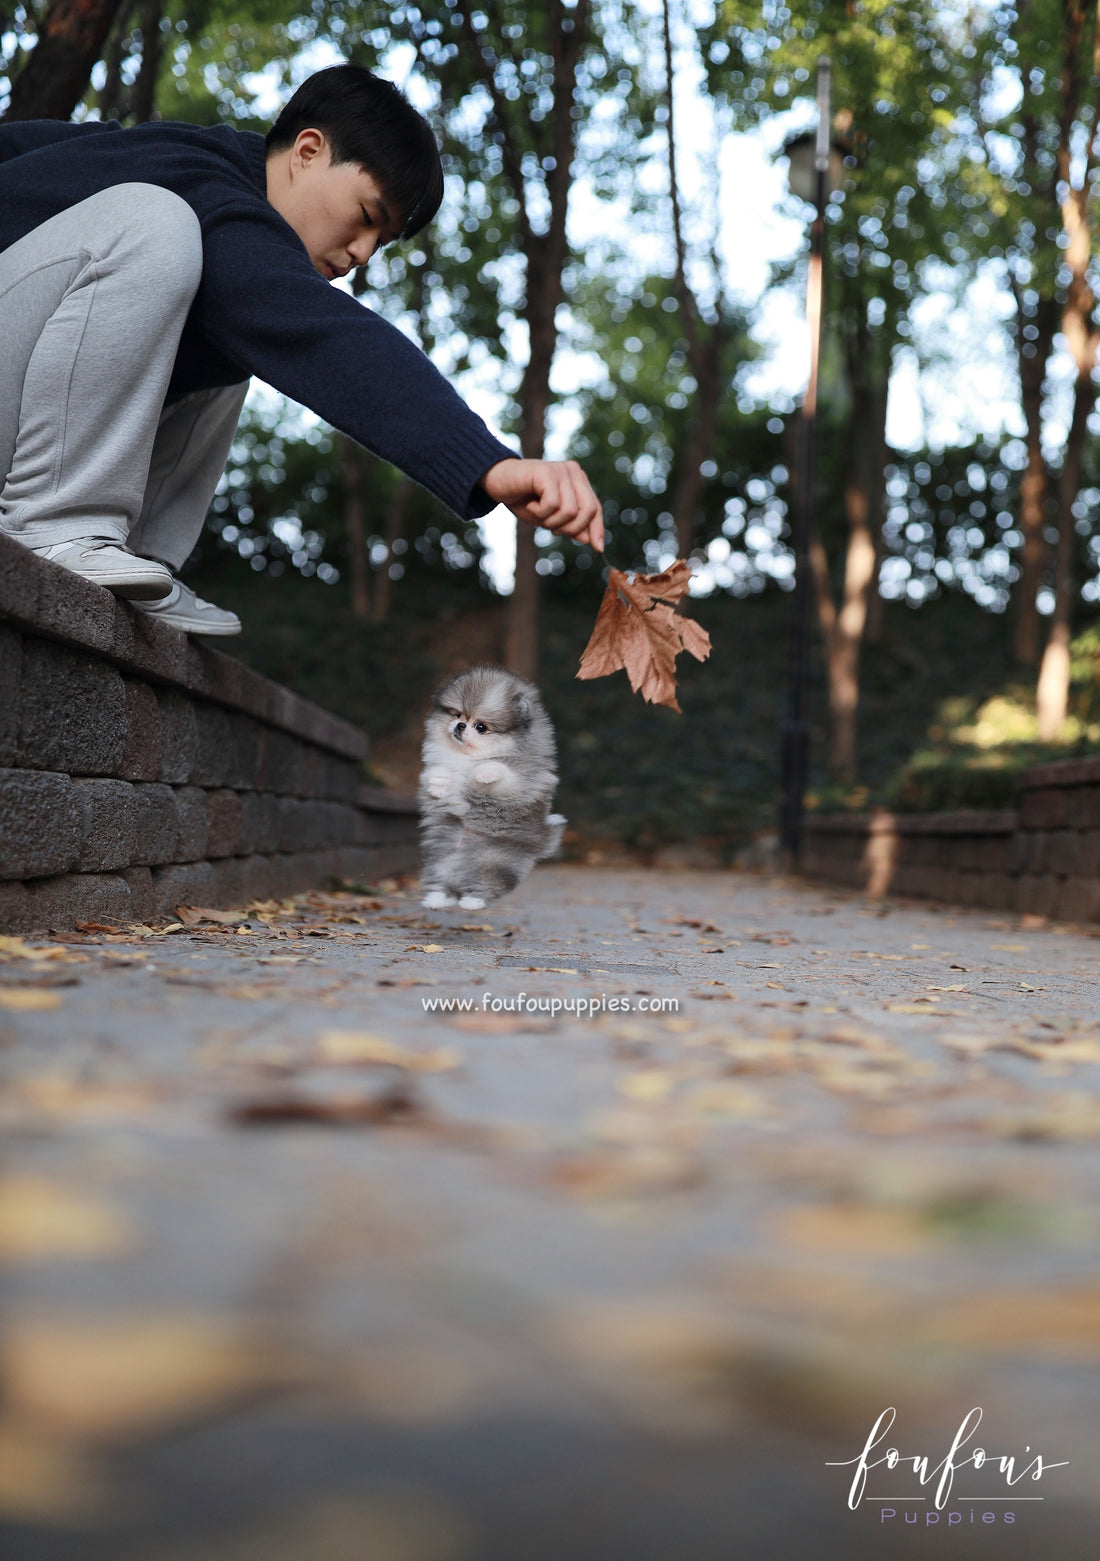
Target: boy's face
<point x="338" y="210"/>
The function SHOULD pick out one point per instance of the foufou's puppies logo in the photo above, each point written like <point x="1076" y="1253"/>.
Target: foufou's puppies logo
<point x="1002" y="1473"/>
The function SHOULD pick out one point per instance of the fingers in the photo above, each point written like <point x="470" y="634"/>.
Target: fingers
<point x="554" y="494"/>
<point x="567" y="506"/>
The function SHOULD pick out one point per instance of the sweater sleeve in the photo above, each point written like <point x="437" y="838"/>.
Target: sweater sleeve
<point x="263" y="305"/>
<point x="19" y="136"/>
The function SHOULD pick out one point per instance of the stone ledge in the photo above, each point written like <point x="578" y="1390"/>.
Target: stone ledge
<point x="1063" y="772"/>
<point x="969" y="821"/>
<point x="56" y="903"/>
<point x="52" y="823"/>
<point x="54" y="604"/>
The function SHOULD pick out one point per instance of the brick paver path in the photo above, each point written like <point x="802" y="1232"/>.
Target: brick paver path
<point x="299" y="1269"/>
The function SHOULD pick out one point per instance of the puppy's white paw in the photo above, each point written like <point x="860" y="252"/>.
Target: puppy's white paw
<point x="437" y="900"/>
<point x="471" y="902"/>
<point x="489" y="773"/>
<point x="437" y="783"/>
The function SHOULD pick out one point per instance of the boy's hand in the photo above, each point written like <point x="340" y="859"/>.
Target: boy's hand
<point x="554" y="494"/>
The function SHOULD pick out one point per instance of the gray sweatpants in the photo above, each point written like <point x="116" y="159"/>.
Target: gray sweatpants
<point x="92" y="304"/>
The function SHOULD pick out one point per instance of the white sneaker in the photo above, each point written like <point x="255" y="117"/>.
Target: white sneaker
<point x="184" y="610"/>
<point x="111" y="565"/>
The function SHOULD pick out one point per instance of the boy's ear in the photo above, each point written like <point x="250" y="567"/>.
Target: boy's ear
<point x="308" y="144"/>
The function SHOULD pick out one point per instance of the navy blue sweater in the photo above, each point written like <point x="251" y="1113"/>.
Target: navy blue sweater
<point x="261" y="308"/>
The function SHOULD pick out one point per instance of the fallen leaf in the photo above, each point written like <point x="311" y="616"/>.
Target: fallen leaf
<point x="724" y="1099"/>
<point x="638" y="629"/>
<point x="1064" y="1324"/>
<point x="43" y="1479"/>
<point x="635" y="1172"/>
<point x="424" y="948"/>
<point x="25" y="998"/>
<point x="854" y="1229"/>
<point x="395" y="1103"/>
<point x="55" y="1096"/>
<point x="352" y="1046"/>
<point x="15" y="948"/>
<point x="501" y="1024"/>
<point x="41" y="1219"/>
<point x="107" y="1379"/>
<point x="193" y="915"/>
<point x="648" y="1084"/>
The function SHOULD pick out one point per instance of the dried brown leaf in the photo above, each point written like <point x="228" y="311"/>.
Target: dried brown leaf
<point x="42" y="1219"/>
<point x="111" y="1378"/>
<point x="355" y="1046"/>
<point x="193" y="915"/>
<point x="23" y="999"/>
<point x="639" y="630"/>
<point x="396" y="1103"/>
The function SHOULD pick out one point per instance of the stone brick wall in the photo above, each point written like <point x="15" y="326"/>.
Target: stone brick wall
<point x="1041" y="858"/>
<point x="140" y="770"/>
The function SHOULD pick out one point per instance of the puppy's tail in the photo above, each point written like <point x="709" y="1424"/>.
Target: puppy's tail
<point x="555" y="828"/>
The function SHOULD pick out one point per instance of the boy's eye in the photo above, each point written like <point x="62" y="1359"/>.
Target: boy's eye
<point x="367" y="217"/>
<point x="479" y="726"/>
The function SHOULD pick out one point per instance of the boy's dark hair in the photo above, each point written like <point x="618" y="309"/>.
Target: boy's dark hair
<point x="370" y="122"/>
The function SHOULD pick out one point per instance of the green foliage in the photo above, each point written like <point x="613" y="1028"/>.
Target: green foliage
<point x="899" y="71"/>
<point x="976" y="748"/>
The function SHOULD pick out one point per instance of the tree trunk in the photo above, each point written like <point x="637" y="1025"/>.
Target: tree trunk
<point x="351" y="468"/>
<point x="1052" y="690"/>
<point x="113" y="97"/>
<point x="546" y="254"/>
<point x="1083" y="340"/>
<point x="70" y="38"/>
<point x="704" y="348"/>
<point x="863" y="504"/>
<point x="143" y="98"/>
<point x="1033" y="357"/>
<point x="395" y="527"/>
<point x="521" y="633"/>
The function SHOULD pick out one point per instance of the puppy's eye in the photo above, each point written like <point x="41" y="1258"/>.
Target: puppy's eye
<point x="479" y="726"/>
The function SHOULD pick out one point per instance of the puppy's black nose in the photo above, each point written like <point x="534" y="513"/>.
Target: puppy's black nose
<point x="460" y="727"/>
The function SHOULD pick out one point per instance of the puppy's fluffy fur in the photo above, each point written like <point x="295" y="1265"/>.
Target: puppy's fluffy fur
<point x="489" y="771"/>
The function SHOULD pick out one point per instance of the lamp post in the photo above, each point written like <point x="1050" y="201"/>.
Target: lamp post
<point x="815" y="169"/>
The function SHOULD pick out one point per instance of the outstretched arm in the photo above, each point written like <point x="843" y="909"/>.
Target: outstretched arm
<point x="554" y="494"/>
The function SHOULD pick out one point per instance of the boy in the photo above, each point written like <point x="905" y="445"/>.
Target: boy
<point x="146" y="273"/>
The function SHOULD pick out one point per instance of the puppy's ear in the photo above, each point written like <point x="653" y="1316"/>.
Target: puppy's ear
<point x="523" y="707"/>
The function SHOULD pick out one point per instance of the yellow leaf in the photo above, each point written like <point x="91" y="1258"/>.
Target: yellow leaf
<point x="25" y="999"/>
<point x="650" y="1084"/>
<point x="424" y="948"/>
<point x="110" y="1378"/>
<point x="43" y="1480"/>
<point x="15" y="948"/>
<point x="41" y="1219"/>
<point x="849" y="1229"/>
<point x="353" y="1046"/>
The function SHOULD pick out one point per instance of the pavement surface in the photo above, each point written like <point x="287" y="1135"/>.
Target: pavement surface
<point x="302" y="1266"/>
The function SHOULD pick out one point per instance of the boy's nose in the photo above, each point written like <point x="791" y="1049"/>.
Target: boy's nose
<point x="362" y="249"/>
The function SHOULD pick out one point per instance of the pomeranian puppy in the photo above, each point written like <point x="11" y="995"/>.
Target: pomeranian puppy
<point x="488" y="775"/>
